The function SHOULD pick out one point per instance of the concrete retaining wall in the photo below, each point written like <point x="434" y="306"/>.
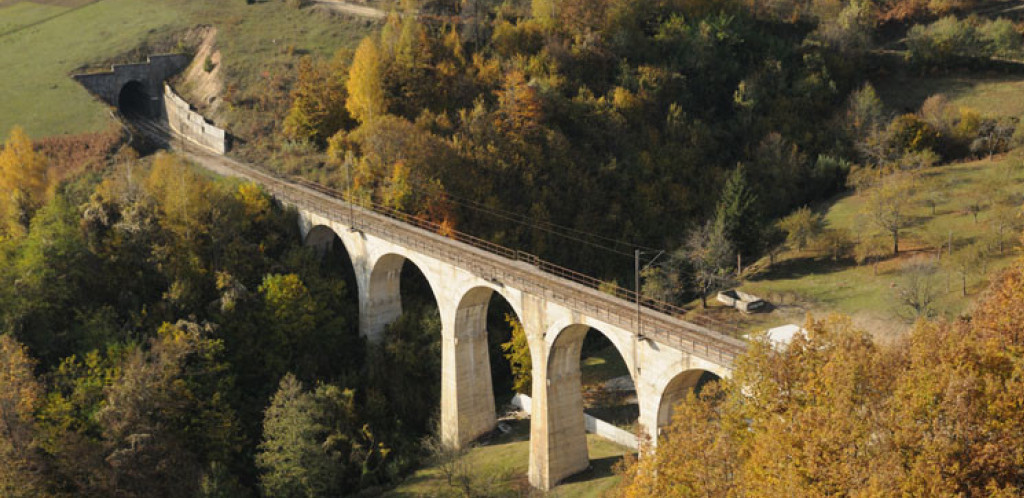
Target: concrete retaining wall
<point x="191" y="124"/>
<point x="593" y="425"/>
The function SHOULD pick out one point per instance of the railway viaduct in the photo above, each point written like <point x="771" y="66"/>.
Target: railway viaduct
<point x="666" y="356"/>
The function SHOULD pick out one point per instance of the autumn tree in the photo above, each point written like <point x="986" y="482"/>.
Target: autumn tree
<point x="166" y="416"/>
<point x="871" y="247"/>
<point x="318" y="107"/>
<point x="517" y="352"/>
<point x="22" y="466"/>
<point x="964" y="263"/>
<point x="886" y="207"/>
<point x="23" y="183"/>
<point x="916" y="292"/>
<point x="1004" y="219"/>
<point x="835" y="241"/>
<point x="366" y="97"/>
<point x="802" y="226"/>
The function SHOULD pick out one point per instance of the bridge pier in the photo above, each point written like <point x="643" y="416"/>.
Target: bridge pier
<point x="382" y="303"/>
<point x="556" y="316"/>
<point x="558" y="439"/>
<point x="467" y="396"/>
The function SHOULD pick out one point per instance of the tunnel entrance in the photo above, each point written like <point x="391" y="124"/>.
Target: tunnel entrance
<point x="134" y="102"/>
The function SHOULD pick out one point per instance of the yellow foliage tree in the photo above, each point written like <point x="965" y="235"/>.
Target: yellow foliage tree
<point x="937" y="413"/>
<point x="20" y="395"/>
<point x="23" y="183"/>
<point x="366" y="98"/>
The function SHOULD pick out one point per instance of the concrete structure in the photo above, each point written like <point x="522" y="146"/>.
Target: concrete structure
<point x="593" y="425"/>
<point x="667" y="357"/>
<point x="192" y="125"/>
<point x="135" y="88"/>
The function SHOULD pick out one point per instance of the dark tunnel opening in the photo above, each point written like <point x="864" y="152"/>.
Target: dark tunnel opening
<point x="133" y="101"/>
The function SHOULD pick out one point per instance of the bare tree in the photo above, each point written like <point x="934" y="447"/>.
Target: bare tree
<point x="1004" y="219"/>
<point x="448" y="459"/>
<point x="917" y="292"/>
<point x="964" y="263"/>
<point x="709" y="253"/>
<point x="887" y="204"/>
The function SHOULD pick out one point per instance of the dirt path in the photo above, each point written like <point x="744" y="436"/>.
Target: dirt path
<point x="352" y="8"/>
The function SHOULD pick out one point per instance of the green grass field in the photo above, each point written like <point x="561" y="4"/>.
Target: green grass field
<point x="502" y="466"/>
<point x="18" y="15"/>
<point x="37" y="92"/>
<point x="802" y="282"/>
<point x="993" y="95"/>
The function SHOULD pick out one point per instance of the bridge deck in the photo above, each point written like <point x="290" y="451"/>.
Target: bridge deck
<point x="659" y="322"/>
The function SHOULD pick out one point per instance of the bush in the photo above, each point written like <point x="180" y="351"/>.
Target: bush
<point x="951" y="41"/>
<point x="1002" y="38"/>
<point x="944" y="43"/>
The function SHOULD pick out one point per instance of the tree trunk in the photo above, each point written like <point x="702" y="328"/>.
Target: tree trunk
<point x="964" y="275"/>
<point x="896" y="242"/>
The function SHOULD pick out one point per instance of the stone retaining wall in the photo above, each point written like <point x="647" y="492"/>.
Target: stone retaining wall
<point x="191" y="124"/>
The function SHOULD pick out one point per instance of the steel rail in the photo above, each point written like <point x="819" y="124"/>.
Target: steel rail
<point x="662" y="322"/>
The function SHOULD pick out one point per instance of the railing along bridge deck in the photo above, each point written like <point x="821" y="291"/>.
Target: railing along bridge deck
<point x="659" y="321"/>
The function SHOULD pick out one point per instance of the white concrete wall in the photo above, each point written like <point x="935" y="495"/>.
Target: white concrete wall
<point x="593" y="425"/>
<point x="191" y="124"/>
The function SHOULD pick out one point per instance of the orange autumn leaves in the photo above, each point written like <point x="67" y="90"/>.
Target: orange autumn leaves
<point x="937" y="413"/>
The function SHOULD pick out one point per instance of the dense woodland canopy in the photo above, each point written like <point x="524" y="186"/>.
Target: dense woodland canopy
<point x="579" y="130"/>
<point x="937" y="413"/>
<point x="149" y="316"/>
<point x="166" y="334"/>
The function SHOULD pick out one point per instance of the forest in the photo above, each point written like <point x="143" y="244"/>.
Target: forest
<point x="675" y="126"/>
<point x="165" y="333"/>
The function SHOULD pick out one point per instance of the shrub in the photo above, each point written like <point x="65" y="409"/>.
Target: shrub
<point x="945" y="43"/>
<point x="1002" y="38"/>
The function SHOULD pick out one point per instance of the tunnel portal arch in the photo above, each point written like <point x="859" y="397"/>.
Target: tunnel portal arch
<point x="134" y="101"/>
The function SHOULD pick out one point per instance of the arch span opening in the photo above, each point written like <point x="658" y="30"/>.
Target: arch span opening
<point x="590" y="387"/>
<point x="134" y="102"/>
<point x="335" y="261"/>
<point x="473" y="364"/>
<point x="677" y="390"/>
<point x="404" y="360"/>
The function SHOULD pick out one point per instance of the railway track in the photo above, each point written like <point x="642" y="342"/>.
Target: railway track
<point x="660" y="321"/>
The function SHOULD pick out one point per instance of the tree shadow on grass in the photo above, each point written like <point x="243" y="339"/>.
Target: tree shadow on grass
<point x="801" y="267"/>
<point x="599" y="468"/>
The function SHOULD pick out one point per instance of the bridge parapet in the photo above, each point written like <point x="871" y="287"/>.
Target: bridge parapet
<point x="507" y="266"/>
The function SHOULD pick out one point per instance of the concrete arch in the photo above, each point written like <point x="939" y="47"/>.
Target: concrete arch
<point x="467" y="396"/>
<point x="383" y="295"/>
<point x="133" y="99"/>
<point x="320" y="238"/>
<point x="682" y="384"/>
<point x="566" y="444"/>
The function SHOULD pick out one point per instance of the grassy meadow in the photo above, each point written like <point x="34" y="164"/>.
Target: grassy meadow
<point x="990" y="94"/>
<point x="42" y="43"/>
<point x="809" y="281"/>
<point x="500" y="467"/>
